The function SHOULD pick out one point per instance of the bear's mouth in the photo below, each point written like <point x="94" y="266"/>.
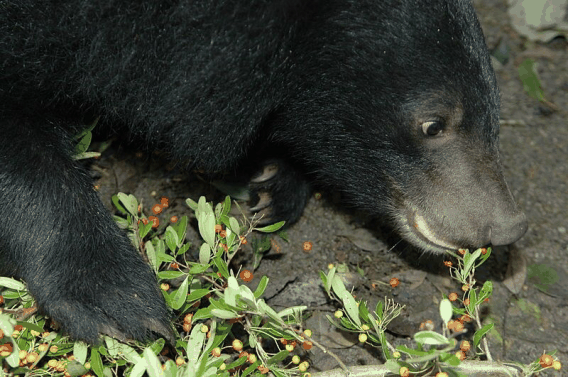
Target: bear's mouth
<point x="423" y="231"/>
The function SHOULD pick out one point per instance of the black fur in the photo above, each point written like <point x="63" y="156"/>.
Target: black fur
<point x="343" y="90"/>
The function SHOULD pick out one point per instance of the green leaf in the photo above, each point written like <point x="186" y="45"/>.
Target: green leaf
<point x="271" y="228"/>
<point x="472" y="301"/>
<point x="191" y="204"/>
<point x="431" y="338"/>
<point x="144" y="229"/>
<point x="129" y="202"/>
<point x="152" y="257"/>
<point x="80" y="351"/>
<point x="203" y="313"/>
<point x="206" y="224"/>
<point x="169" y="275"/>
<point x="83" y="144"/>
<point x="379" y="310"/>
<point x="234" y="225"/>
<point x="96" y="362"/>
<point x="348" y="301"/>
<point x="240" y="361"/>
<point x="117" y="204"/>
<point x="529" y="77"/>
<point x="469" y="260"/>
<point x="198" y="268"/>
<point x="226" y="206"/>
<point x="231" y="291"/>
<point x="410" y="351"/>
<point x="196" y="294"/>
<point x="224" y="314"/>
<point x="261" y="287"/>
<point x="180" y="295"/>
<point x="251" y="368"/>
<point x="485" y="292"/>
<point x="446" y="310"/>
<point x="172" y="239"/>
<point x="278" y="357"/>
<point x="393" y="366"/>
<point x="292" y="311"/>
<point x="221" y="267"/>
<point x="193" y="349"/>
<point x="204" y="254"/>
<point x="364" y="312"/>
<point x="450" y="358"/>
<point x="183" y="249"/>
<point x="479" y="333"/>
<point x="153" y="365"/>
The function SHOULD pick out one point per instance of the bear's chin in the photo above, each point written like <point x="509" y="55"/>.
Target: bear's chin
<point x="414" y="229"/>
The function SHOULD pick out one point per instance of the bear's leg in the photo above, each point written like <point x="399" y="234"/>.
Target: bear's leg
<point x="278" y="191"/>
<point x="56" y="234"/>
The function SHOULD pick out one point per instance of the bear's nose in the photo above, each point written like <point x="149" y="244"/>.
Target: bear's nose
<point x="508" y="229"/>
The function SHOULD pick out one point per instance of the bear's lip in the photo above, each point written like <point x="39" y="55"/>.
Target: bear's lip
<point x="423" y="230"/>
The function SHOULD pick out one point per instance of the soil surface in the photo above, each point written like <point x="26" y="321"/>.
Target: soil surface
<point x="530" y="315"/>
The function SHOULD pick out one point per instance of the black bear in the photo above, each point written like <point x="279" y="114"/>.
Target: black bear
<point x="393" y="102"/>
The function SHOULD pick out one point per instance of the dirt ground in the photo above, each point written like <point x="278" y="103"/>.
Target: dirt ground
<point x="529" y="317"/>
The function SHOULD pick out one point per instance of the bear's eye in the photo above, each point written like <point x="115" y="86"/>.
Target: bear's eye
<point x="432" y="128"/>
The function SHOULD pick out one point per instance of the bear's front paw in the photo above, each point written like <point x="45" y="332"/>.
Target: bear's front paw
<point x="278" y="192"/>
<point x="124" y="303"/>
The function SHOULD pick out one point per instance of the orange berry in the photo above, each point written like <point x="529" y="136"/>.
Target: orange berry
<point x="458" y="326"/>
<point x="307" y="345"/>
<point x="164" y="201"/>
<point x="237" y="345"/>
<point x="556" y="365"/>
<point x="216" y="352"/>
<point x="165" y="286"/>
<point x="156" y="208"/>
<point x="174" y="219"/>
<point x="460" y="355"/>
<point x="243" y="240"/>
<point x="32" y="357"/>
<point x="453" y="296"/>
<point x="404" y="372"/>
<point x="465" y="287"/>
<point x="246" y="275"/>
<point x="427" y="325"/>
<point x="462" y="251"/>
<point x="465" y="318"/>
<point x="394" y="282"/>
<point x="187" y="327"/>
<point x="180" y="361"/>
<point x="218" y="228"/>
<point x="251" y="358"/>
<point x="283" y="341"/>
<point x="448" y="263"/>
<point x="546" y="361"/>
<point x="155" y="221"/>
<point x="483" y="251"/>
<point x="465" y="346"/>
<point x="466" y="302"/>
<point x="307" y="246"/>
<point x="223" y="233"/>
<point x="188" y="318"/>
